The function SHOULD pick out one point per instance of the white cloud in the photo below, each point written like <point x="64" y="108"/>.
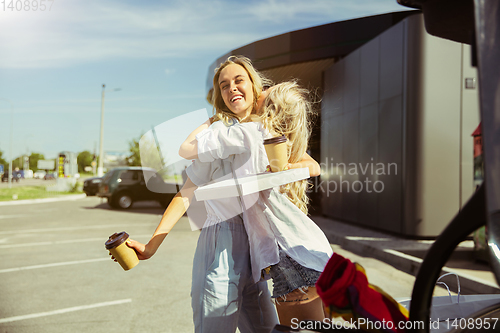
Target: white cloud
<point x="76" y="32"/>
<point x="79" y="32"/>
<point x="331" y="10"/>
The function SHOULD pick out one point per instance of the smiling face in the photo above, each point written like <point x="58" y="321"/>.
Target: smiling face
<point x="237" y="90"/>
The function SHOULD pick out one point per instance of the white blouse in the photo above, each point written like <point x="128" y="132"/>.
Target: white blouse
<point x="271" y="220"/>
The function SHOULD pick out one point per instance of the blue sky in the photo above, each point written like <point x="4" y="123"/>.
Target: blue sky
<point x="53" y="63"/>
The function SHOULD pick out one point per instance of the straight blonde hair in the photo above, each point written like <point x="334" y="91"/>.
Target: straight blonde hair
<point x="286" y="111"/>
<point x="221" y="111"/>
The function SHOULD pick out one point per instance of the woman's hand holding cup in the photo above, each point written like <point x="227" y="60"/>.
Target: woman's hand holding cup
<point x="120" y="251"/>
<point x="140" y="249"/>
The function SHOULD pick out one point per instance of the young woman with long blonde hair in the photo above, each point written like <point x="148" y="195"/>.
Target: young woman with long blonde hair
<point x="284" y="243"/>
<point x="224" y="294"/>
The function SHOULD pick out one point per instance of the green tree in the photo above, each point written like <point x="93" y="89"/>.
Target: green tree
<point x="84" y="159"/>
<point x="34" y="158"/>
<point x="17" y="162"/>
<point x="143" y="152"/>
<point x="134" y="159"/>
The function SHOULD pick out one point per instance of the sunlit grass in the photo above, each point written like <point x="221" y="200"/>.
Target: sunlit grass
<point x="30" y="192"/>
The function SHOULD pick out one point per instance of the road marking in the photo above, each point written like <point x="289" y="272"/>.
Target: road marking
<point x="22" y="245"/>
<point x="68" y="241"/>
<point x="359" y="238"/>
<point x="404" y="255"/>
<point x="12" y="216"/>
<point x="17" y="269"/>
<point x="69" y="228"/>
<point x="61" y="311"/>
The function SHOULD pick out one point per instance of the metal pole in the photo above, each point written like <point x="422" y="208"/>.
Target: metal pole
<point x="94" y="161"/>
<point x="100" y="168"/>
<point x="11" y="173"/>
<point x="10" y="140"/>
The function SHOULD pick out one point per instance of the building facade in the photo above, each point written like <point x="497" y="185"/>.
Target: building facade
<point x="397" y="108"/>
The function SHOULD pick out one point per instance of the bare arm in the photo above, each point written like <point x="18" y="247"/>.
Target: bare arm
<point x="307" y="162"/>
<point x="189" y="148"/>
<point x="216" y="142"/>
<point x="172" y="215"/>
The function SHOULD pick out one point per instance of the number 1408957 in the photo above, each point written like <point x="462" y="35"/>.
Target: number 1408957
<point x="471" y="323"/>
<point x="26" y="5"/>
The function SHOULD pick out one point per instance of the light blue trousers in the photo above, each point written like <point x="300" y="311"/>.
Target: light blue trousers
<point x="223" y="294"/>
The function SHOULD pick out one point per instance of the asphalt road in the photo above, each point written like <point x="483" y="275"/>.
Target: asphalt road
<point x="56" y="275"/>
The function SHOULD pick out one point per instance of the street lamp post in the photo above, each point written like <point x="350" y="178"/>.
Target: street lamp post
<point x="101" y="154"/>
<point x="9" y="175"/>
<point x="100" y="168"/>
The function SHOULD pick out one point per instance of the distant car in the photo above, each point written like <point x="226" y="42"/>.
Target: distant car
<point x="39" y="174"/>
<point x="49" y="176"/>
<point x="15" y="177"/>
<point x="126" y="185"/>
<point x="91" y="185"/>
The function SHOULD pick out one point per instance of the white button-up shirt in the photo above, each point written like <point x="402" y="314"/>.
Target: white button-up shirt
<point x="271" y="220"/>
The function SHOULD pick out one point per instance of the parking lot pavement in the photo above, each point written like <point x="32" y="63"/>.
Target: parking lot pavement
<point x="57" y="276"/>
<point x="406" y="254"/>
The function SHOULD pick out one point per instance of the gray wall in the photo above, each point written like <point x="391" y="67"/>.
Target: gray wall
<point x="397" y="107"/>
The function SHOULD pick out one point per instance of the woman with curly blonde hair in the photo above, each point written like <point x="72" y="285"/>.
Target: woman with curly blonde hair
<point x="287" y="111"/>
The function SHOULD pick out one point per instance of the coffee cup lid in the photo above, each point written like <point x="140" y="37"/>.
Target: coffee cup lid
<point x="116" y="239"/>
<point x="278" y="139"/>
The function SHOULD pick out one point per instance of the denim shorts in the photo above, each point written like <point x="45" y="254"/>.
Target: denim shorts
<point x="288" y="275"/>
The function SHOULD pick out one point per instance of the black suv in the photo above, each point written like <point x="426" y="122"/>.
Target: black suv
<point x="91" y="185"/>
<point x="125" y="185"/>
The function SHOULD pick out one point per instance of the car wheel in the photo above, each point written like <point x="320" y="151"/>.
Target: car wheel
<point x="124" y="201"/>
<point x="111" y="202"/>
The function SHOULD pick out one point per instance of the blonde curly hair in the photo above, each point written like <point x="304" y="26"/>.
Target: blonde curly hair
<point x="287" y="110"/>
